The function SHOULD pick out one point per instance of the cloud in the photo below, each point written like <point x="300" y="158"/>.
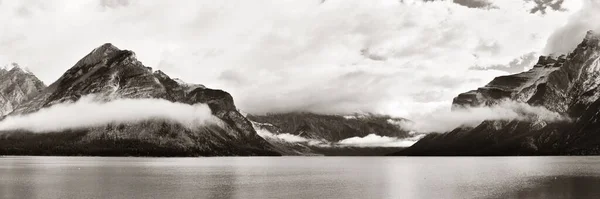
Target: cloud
<point x="446" y="120"/>
<point x="88" y="112"/>
<point x="517" y="65"/>
<point x="373" y="140"/>
<point x="336" y="56"/>
<point x="474" y="3"/>
<point x="544" y="5"/>
<point x="536" y="6"/>
<point x="286" y="137"/>
<point x="565" y="39"/>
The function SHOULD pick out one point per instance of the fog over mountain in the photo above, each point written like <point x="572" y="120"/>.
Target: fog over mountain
<point x="402" y="58"/>
<point x="68" y="116"/>
<point x="444" y="121"/>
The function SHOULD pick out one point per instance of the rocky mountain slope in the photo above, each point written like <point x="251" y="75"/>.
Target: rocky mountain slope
<point x="110" y="73"/>
<point x="567" y="84"/>
<point x="17" y="86"/>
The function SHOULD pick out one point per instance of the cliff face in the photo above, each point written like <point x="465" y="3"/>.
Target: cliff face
<point x="17" y="86"/>
<point x="567" y="84"/>
<point x="110" y="73"/>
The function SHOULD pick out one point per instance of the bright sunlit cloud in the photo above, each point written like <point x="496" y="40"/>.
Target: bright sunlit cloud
<point x="335" y="56"/>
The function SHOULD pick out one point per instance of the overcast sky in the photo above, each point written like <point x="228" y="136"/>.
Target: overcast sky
<point x="398" y="57"/>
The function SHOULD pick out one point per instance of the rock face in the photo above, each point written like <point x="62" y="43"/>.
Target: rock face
<point x="567" y="84"/>
<point x="17" y="86"/>
<point x="110" y="73"/>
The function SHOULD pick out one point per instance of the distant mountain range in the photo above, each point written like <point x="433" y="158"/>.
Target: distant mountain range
<point x="319" y="134"/>
<point x="567" y="84"/>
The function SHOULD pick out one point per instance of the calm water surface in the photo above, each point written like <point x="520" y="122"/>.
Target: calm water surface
<point x="300" y="177"/>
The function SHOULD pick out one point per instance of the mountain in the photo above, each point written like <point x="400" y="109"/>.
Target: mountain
<point x="109" y="74"/>
<point x="318" y="134"/>
<point x="567" y="84"/>
<point x="17" y="85"/>
<point x="330" y="128"/>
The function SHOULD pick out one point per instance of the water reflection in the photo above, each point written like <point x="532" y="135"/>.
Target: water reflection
<point x="300" y="177"/>
<point x="558" y="187"/>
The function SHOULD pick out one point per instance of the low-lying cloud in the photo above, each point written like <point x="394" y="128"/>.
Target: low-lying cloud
<point x="446" y="120"/>
<point x="87" y="112"/>
<point x="371" y="140"/>
<point x="286" y="137"/>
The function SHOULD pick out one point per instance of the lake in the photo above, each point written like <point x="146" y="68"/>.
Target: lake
<point x="300" y="177"/>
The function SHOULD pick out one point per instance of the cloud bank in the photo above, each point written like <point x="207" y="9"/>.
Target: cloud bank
<point x="446" y="120"/>
<point x="338" y="56"/>
<point x="371" y="140"/>
<point x="87" y="112"/>
<point x="565" y="39"/>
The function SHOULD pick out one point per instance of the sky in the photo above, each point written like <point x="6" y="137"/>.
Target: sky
<point x="398" y="57"/>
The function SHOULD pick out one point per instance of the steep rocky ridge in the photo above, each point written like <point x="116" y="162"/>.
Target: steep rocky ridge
<point x="17" y="86"/>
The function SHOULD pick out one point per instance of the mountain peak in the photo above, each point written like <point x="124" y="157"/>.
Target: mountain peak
<point x="105" y="47"/>
<point x="591" y="34"/>
<point x="591" y="39"/>
<point x="161" y="74"/>
<point x="11" y="66"/>
<point x="98" y="55"/>
<point x="15" y="68"/>
<point x="17" y="85"/>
